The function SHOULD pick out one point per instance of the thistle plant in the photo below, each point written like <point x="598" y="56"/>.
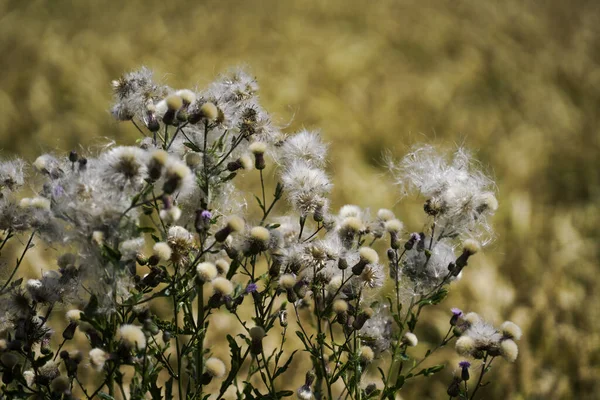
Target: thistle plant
<point x="155" y="241"/>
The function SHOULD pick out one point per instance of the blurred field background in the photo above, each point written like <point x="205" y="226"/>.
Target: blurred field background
<point x="516" y="81"/>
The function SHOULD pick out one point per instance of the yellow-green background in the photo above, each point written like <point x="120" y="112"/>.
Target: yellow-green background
<point x="518" y="81"/>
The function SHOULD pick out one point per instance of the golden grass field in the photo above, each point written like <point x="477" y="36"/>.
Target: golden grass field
<point x="517" y="81"/>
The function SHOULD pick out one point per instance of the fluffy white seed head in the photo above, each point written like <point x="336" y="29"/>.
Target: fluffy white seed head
<point x="258" y="147"/>
<point x="187" y="96"/>
<point x="287" y="281"/>
<point x="465" y="345"/>
<point x="171" y="215"/>
<point x="410" y="339"/>
<point x="235" y="223"/>
<point x="394" y="225"/>
<point x="509" y="350"/>
<point x="222" y="266"/>
<point x="385" y="215"/>
<point x="471" y="318"/>
<point x="160" y="157"/>
<point x="511" y="330"/>
<point x="340" y="306"/>
<point x="368" y="255"/>
<point x="209" y="111"/>
<point x="74" y="315"/>
<point x="352" y="224"/>
<point x="163" y="251"/>
<point x="366" y="354"/>
<point x="206" y="271"/>
<point x="174" y="102"/>
<point x="97" y="358"/>
<point x="132" y="336"/>
<point x="98" y="237"/>
<point x="246" y="162"/>
<point x="215" y="367"/>
<point x="222" y="286"/>
<point x="260" y="234"/>
<point x="471" y="246"/>
<point x="350" y="210"/>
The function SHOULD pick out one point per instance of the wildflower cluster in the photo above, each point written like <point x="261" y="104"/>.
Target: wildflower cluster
<point x="155" y="243"/>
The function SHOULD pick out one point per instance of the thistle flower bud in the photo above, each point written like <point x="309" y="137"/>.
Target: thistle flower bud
<point x="174" y="103"/>
<point x="175" y="174"/>
<point x="256" y="335"/>
<point x="342" y="263"/>
<point x="192" y="159"/>
<point x="259" y="240"/>
<point x="283" y="322"/>
<point x="234" y="224"/>
<point x="203" y="220"/>
<point x="464" y="365"/>
<point x="206" y="272"/>
<point x="413" y="239"/>
<point x="158" y="159"/>
<point x="244" y="162"/>
<point x="454" y="388"/>
<point x="367" y="256"/>
<point x="456" y="314"/>
<point x="258" y="149"/>
<point x="362" y="317"/>
<point x="60" y="384"/>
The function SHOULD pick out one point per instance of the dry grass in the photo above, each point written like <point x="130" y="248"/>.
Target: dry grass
<point x="517" y="80"/>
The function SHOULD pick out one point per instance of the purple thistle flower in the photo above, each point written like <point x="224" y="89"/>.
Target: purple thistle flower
<point x="251" y="288"/>
<point x="456" y="314"/>
<point x="464" y="364"/>
<point x="465" y="370"/>
<point x="206" y="215"/>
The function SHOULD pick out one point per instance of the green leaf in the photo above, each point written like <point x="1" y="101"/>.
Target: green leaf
<point x="192" y="146"/>
<point x="285" y="366"/>
<point x="105" y="396"/>
<point x="431" y="370"/>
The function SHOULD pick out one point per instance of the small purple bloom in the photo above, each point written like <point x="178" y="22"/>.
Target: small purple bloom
<point x="464" y="364"/>
<point x="58" y="191"/>
<point x="415" y="236"/>
<point x="206" y="215"/>
<point x="251" y="288"/>
<point x="456" y="311"/>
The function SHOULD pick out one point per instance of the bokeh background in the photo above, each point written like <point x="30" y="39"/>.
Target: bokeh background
<point x="517" y="81"/>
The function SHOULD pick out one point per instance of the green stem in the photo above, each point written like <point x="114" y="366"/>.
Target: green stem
<point x="19" y="261"/>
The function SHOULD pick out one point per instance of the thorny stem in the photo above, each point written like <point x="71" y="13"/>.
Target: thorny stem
<point x="199" y="327"/>
<point x="484" y="369"/>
